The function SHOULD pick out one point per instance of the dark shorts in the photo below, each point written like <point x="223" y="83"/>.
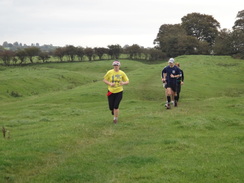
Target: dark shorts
<point x="114" y="100"/>
<point x="172" y="86"/>
<point x="178" y="87"/>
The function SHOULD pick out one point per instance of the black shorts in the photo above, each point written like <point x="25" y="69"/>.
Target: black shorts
<point x="171" y="85"/>
<point x="114" y="100"/>
<point x="178" y="87"/>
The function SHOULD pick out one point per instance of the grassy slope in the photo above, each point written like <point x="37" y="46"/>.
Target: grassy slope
<point x="61" y="129"/>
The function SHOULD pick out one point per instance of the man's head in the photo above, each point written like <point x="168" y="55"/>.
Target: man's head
<point x="171" y="62"/>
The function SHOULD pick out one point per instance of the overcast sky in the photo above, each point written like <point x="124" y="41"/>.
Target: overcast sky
<point x="99" y="23"/>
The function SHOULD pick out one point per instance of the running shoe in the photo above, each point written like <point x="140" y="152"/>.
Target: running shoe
<point x="167" y="106"/>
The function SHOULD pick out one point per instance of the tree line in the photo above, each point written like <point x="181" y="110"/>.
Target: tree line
<point x="71" y="53"/>
<point x="196" y="34"/>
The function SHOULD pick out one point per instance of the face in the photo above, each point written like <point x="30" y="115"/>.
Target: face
<point x="171" y="64"/>
<point x="116" y="67"/>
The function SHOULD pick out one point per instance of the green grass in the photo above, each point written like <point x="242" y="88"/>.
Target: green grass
<point x="60" y="128"/>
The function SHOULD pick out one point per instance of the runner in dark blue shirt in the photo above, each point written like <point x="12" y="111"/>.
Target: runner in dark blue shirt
<point x="169" y="76"/>
<point x="180" y="81"/>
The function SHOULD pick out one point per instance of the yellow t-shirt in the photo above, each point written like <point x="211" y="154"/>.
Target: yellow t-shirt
<point x="115" y="77"/>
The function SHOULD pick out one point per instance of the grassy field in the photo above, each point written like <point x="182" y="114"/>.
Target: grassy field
<point x="59" y="128"/>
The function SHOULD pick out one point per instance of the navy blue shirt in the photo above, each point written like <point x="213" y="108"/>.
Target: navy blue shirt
<point x="171" y="70"/>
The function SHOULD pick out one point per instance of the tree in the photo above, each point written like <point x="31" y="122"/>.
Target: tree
<point x="133" y="51"/>
<point x="203" y="48"/>
<point x="238" y="43"/>
<point x="80" y="53"/>
<point x="156" y="54"/>
<point x="21" y="54"/>
<point x="6" y="56"/>
<point x="44" y="56"/>
<point x="173" y="40"/>
<point x="239" y="23"/>
<point x="70" y="52"/>
<point x="190" y="45"/>
<point x="146" y="53"/>
<point x="100" y="52"/>
<point x="203" y="27"/>
<point x="238" y="35"/>
<point x="31" y="52"/>
<point x="60" y="53"/>
<point x="114" y="51"/>
<point x="223" y="43"/>
<point x="1" y="48"/>
<point x="89" y="53"/>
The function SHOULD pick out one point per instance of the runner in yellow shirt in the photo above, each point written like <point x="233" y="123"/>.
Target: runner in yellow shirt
<point x="115" y="79"/>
